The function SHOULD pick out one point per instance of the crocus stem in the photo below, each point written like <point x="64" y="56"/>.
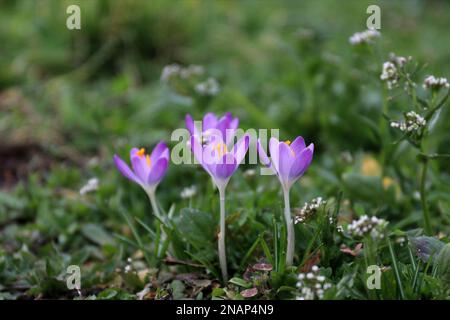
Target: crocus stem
<point x="222" y="250"/>
<point x="151" y="195"/>
<point x="289" y="228"/>
<point x="426" y="213"/>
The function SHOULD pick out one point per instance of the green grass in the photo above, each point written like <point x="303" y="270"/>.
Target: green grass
<point x="69" y="100"/>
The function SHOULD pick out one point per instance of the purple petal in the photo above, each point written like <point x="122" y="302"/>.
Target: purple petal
<point x="197" y="149"/>
<point x="140" y="167"/>
<point x="209" y="121"/>
<point x="223" y="125"/>
<point x="286" y="160"/>
<point x="274" y="152"/>
<point x="298" y="145"/>
<point x="302" y="162"/>
<point x="133" y="152"/>
<point x="160" y="150"/>
<point x="157" y="171"/>
<point x="125" y="169"/>
<point x="240" y="148"/>
<point x="190" y="124"/>
<point x="226" y="167"/>
<point x="262" y="154"/>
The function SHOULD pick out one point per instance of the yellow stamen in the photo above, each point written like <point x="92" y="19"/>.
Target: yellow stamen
<point x="149" y="161"/>
<point x="221" y="149"/>
<point x="288" y="142"/>
<point x="141" y="152"/>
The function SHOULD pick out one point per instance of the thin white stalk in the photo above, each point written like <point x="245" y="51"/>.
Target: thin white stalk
<point x="154" y="204"/>
<point x="152" y="197"/>
<point x="289" y="228"/>
<point x="221" y="245"/>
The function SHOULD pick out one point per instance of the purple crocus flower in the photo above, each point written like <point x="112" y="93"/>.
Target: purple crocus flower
<point x="289" y="161"/>
<point x="223" y="127"/>
<point x="147" y="170"/>
<point x="219" y="162"/>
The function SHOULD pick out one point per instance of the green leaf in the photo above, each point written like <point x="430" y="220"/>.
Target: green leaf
<point x="240" y="282"/>
<point x="443" y="263"/>
<point x="97" y="234"/>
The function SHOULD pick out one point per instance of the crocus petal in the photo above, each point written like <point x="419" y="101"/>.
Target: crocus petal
<point x="209" y="121"/>
<point x="262" y="154"/>
<point x="231" y="130"/>
<point x="133" y="152"/>
<point x="125" y="169"/>
<point x="140" y="167"/>
<point x="197" y="149"/>
<point x="190" y="124"/>
<point x="223" y="125"/>
<point x="158" y="171"/>
<point x="159" y="151"/>
<point x="286" y="160"/>
<point x="274" y="153"/>
<point x="302" y="162"/>
<point x="298" y="145"/>
<point x="240" y="148"/>
<point x="226" y="167"/>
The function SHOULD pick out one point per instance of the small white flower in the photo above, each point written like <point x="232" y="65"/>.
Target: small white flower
<point x="309" y="209"/>
<point x="413" y="122"/>
<point x="373" y="226"/>
<point x="169" y="71"/>
<point x="208" y="88"/>
<point x="367" y="36"/>
<point x="432" y="82"/>
<point x="90" y="186"/>
<point x="249" y="173"/>
<point x="188" y="192"/>
<point x="311" y="285"/>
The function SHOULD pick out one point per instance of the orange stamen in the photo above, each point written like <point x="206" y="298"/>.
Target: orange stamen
<point x="141" y="152"/>
<point x="149" y="161"/>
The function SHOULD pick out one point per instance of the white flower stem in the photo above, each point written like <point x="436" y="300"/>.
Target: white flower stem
<point x="289" y="228"/>
<point x="152" y="197"/>
<point x="154" y="204"/>
<point x="221" y="240"/>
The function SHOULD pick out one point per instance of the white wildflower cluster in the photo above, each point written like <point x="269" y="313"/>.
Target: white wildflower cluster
<point x="210" y="87"/>
<point x="366" y="225"/>
<point x="175" y="70"/>
<point x="413" y="122"/>
<point x="188" y="192"/>
<point x="311" y="285"/>
<point x="432" y="82"/>
<point x="367" y="36"/>
<point x="390" y="74"/>
<point x="308" y="210"/>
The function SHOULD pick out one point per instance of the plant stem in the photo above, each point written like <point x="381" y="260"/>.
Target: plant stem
<point x="426" y="213"/>
<point x="289" y="228"/>
<point x="154" y="204"/>
<point x="222" y="248"/>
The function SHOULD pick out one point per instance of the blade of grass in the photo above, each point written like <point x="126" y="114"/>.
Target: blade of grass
<point x="249" y="252"/>
<point x="266" y="249"/>
<point x="275" y="242"/>
<point x="136" y="236"/>
<point x="396" y="271"/>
